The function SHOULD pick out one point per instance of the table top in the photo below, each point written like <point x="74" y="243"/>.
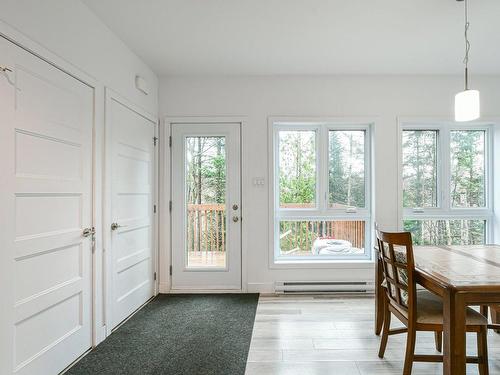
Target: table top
<point x="460" y="266"/>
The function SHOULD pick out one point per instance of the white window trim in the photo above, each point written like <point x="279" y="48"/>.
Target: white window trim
<point x="321" y="211"/>
<point x="444" y="209"/>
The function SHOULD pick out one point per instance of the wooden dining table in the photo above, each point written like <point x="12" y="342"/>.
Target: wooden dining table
<point x="462" y="276"/>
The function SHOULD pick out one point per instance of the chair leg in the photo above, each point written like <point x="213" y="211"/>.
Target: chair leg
<point x="495" y="316"/>
<point x="438" y="338"/>
<point x="482" y="351"/>
<point x="385" y="330"/>
<point x="410" y="350"/>
<point x="484" y="310"/>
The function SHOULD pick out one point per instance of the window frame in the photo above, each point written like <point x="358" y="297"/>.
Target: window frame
<point x="321" y="211"/>
<point x="444" y="209"/>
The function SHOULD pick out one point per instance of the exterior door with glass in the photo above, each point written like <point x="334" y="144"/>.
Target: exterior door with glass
<point x="206" y="208"/>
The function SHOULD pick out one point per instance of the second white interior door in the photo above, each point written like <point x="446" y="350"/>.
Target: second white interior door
<point x="132" y="173"/>
<point x="206" y="208"/>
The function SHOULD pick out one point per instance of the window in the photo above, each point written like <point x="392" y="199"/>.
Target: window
<point x="321" y="191"/>
<point x="446" y="232"/>
<point x="346" y="168"/>
<point x="297" y="169"/>
<point x="445" y="183"/>
<point x="420" y="168"/>
<point x="467" y="168"/>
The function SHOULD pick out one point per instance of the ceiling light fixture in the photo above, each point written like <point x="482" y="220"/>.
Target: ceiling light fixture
<point x="467" y="105"/>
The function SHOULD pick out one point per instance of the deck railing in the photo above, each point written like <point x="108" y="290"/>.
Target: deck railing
<point x="206" y="227"/>
<point x="300" y="235"/>
<point x="206" y="230"/>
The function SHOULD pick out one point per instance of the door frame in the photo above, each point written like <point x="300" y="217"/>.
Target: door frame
<point x="111" y="95"/>
<point x="20" y="40"/>
<point x="165" y="256"/>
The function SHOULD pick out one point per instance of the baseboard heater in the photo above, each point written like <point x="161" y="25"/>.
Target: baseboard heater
<point x="312" y="287"/>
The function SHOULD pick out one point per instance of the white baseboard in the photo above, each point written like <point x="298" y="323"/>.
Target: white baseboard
<point x="264" y="288"/>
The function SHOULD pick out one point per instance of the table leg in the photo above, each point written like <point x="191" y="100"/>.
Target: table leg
<point x="454" y="333"/>
<point x="379" y="298"/>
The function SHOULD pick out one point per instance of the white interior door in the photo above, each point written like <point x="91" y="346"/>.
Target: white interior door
<point x="131" y="140"/>
<point x="46" y="122"/>
<point x="206" y="212"/>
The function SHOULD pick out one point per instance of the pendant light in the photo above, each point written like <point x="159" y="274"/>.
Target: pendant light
<point x="467" y="106"/>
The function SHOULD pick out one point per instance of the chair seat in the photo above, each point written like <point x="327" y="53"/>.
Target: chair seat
<point x="430" y="310"/>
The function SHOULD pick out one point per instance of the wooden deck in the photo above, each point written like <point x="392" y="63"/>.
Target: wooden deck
<point x="216" y="259"/>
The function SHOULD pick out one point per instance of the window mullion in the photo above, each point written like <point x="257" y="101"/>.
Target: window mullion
<point x="445" y="170"/>
<point x="322" y="183"/>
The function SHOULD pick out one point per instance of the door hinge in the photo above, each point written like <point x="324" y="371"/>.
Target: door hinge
<point x="170" y="206"/>
<point x="155" y="140"/>
<point x="154" y="276"/>
<point x="170" y="270"/>
<point x="154" y="208"/>
<point x="170" y="141"/>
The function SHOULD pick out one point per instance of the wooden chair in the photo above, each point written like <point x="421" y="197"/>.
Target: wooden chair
<point x="418" y="311"/>
<point x="495" y="316"/>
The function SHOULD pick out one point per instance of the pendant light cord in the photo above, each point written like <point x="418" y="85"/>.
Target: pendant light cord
<point x="467" y="45"/>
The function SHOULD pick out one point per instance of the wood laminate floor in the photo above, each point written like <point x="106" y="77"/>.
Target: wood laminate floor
<point x="312" y="335"/>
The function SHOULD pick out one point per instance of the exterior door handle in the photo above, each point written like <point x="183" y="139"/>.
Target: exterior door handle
<point x="236" y="219"/>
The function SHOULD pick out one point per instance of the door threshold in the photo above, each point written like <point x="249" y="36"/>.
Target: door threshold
<point x="204" y="291"/>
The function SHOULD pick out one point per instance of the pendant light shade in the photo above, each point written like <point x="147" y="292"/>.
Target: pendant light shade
<point x="467" y="106"/>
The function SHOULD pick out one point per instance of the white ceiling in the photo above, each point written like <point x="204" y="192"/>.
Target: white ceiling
<point x="212" y="37"/>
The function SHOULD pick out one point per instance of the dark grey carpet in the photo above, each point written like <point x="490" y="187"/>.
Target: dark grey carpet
<point x="179" y="334"/>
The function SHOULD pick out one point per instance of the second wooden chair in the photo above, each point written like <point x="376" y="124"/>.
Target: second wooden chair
<point x="417" y="310"/>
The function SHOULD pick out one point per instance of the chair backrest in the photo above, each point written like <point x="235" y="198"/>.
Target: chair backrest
<point x="396" y="256"/>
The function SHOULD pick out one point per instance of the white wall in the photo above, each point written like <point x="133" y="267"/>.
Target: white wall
<point x="383" y="98"/>
<point x="71" y="31"/>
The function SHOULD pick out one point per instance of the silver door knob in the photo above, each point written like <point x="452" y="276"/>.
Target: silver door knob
<point x="236" y="219"/>
<point x="235" y="207"/>
<point x="115" y="226"/>
<point x="87" y="232"/>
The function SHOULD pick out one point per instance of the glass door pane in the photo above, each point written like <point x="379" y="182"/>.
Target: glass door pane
<point x="205" y="184"/>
